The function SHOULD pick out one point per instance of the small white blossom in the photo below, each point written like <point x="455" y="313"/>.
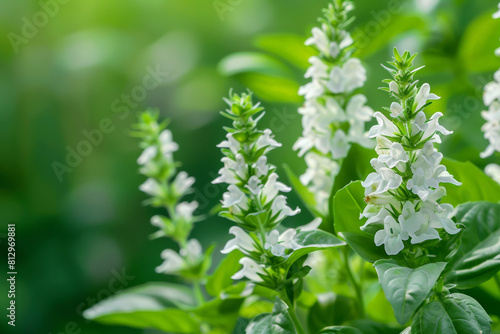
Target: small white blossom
<point x="185" y="210"/>
<point x="168" y="146"/>
<point x="424" y="94"/>
<point x="279" y="243"/>
<point x="250" y="270"/>
<point x="241" y="241"/>
<point x="391" y="236"/>
<point x="147" y="155"/>
<point x="172" y="264"/>
<point x="182" y="183"/>
<point x="151" y="187"/>
<point x="493" y="171"/>
<point x="396" y="155"/>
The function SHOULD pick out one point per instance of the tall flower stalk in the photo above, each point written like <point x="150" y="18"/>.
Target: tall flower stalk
<point x="404" y="194"/>
<point x="333" y="115"/>
<point x="255" y="202"/>
<point x="491" y="128"/>
<point x="166" y="188"/>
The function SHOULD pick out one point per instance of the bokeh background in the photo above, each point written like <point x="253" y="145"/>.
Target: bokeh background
<point x="63" y="72"/>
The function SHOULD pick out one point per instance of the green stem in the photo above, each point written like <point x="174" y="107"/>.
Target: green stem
<point x="197" y="293"/>
<point x="355" y="284"/>
<point x="291" y="310"/>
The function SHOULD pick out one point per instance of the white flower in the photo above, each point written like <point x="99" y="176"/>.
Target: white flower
<point x="231" y="143"/>
<point x="340" y="145"/>
<point x="382" y="180"/>
<point x="317" y="70"/>
<point x="356" y="109"/>
<point x="172" y="263"/>
<point x="193" y="252"/>
<point x="279" y="243"/>
<point x="261" y="166"/>
<point x="432" y="126"/>
<point x="424" y="94"/>
<point x="234" y="196"/>
<point x="493" y="171"/>
<point x="396" y="109"/>
<point x="250" y="270"/>
<point x="185" y="210"/>
<point x="391" y="236"/>
<point x="272" y="188"/>
<point x="254" y="185"/>
<point x="320" y="39"/>
<point x="241" y="241"/>
<point x="496" y="15"/>
<point x="151" y="187"/>
<point x="279" y="207"/>
<point x="354" y="74"/>
<point x="337" y="81"/>
<point x="312" y="89"/>
<point x="168" y="146"/>
<point x="385" y="127"/>
<point x="147" y="155"/>
<point x="266" y="139"/>
<point x="393" y="87"/>
<point x="417" y="224"/>
<point x="182" y="183"/>
<point x="397" y="155"/>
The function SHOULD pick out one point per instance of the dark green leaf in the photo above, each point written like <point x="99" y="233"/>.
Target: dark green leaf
<point x="478" y="257"/>
<point x="278" y="322"/>
<point x="452" y="314"/>
<point x="221" y="277"/>
<point x="407" y="288"/>
<point x="330" y="309"/>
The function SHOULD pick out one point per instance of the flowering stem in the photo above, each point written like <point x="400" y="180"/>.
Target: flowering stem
<point x="355" y="284"/>
<point x="291" y="310"/>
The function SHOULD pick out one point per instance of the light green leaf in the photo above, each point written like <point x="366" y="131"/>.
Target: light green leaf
<point x="221" y="277"/>
<point x="477" y="46"/>
<point x="452" y="314"/>
<point x="340" y="330"/>
<point x="255" y="62"/>
<point x="272" y="88"/>
<point x="311" y="241"/>
<point x="278" y="322"/>
<point x="329" y="310"/>
<point x="407" y="288"/>
<point x="476" y="186"/>
<point x="288" y="46"/>
<point x="220" y="313"/>
<point x="478" y="258"/>
<point x="154" y="305"/>
<point x="348" y="204"/>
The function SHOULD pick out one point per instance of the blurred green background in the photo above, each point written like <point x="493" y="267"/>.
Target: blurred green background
<point x="65" y="66"/>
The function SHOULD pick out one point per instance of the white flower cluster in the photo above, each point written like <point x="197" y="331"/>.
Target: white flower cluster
<point x="332" y="119"/>
<point x="491" y="128"/>
<point x="254" y="198"/>
<point x="166" y="188"/>
<point x="404" y="192"/>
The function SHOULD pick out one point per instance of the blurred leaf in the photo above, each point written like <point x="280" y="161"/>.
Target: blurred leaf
<point x="220" y="313"/>
<point x="477" y="46"/>
<point x="476" y="186"/>
<point x="453" y="314"/>
<point x="311" y="241"/>
<point x="367" y="45"/>
<point x="477" y="259"/>
<point x="340" y="330"/>
<point x="348" y="204"/>
<point x="255" y="305"/>
<point x="330" y="309"/>
<point x="272" y="88"/>
<point x="407" y="288"/>
<point x="152" y="305"/>
<point x="221" y="277"/>
<point x="371" y="327"/>
<point x="255" y="62"/>
<point x="277" y="322"/>
<point x="289" y="47"/>
<point x="356" y="166"/>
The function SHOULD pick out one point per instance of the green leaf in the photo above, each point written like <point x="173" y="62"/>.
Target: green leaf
<point x="340" y="330"/>
<point x="348" y="204"/>
<point x="154" y="305"/>
<point x="478" y="257"/>
<point x="477" y="46"/>
<point x="476" y="186"/>
<point x="220" y="313"/>
<point x="330" y="309"/>
<point x="272" y="88"/>
<point x="255" y="62"/>
<point x="278" y="322"/>
<point x="371" y="327"/>
<point x="289" y="47"/>
<point x="407" y="288"/>
<point x="221" y="277"/>
<point x="406" y="331"/>
<point x="452" y="314"/>
<point x="311" y="241"/>
<point x="356" y="166"/>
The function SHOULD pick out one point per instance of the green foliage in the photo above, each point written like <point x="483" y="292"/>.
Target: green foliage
<point x="330" y="309"/>
<point x="477" y="259"/>
<point x="340" y="330"/>
<point x="348" y="204"/>
<point x="476" y="186"/>
<point x="407" y="288"/>
<point x="452" y="314"/>
<point x="253" y="62"/>
<point x="221" y="279"/>
<point x="277" y="322"/>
